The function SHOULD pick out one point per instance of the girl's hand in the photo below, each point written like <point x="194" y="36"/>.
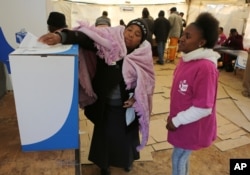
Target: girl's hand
<point x="129" y="103"/>
<point x="170" y="126"/>
<point x="50" y="39"/>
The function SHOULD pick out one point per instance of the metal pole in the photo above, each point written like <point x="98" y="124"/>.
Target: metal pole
<point x="77" y="162"/>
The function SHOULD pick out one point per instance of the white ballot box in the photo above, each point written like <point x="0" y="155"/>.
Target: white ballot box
<point x="45" y="86"/>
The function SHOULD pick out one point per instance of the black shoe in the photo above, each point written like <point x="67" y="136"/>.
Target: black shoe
<point x="128" y="169"/>
<point x="105" y="171"/>
<point x="159" y="62"/>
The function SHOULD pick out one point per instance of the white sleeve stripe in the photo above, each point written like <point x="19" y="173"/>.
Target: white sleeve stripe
<point x="190" y="115"/>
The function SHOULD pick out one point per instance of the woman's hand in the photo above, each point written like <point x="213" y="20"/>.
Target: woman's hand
<point x="50" y="39"/>
<point x="129" y="103"/>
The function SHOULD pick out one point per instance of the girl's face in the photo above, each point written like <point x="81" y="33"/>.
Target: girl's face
<point x="132" y="36"/>
<point x="191" y="39"/>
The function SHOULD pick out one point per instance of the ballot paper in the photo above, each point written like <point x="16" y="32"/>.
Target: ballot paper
<point x="31" y="45"/>
<point x="31" y="41"/>
<point x="130" y="113"/>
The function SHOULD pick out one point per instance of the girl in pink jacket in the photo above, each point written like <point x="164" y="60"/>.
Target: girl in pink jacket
<point x="192" y="120"/>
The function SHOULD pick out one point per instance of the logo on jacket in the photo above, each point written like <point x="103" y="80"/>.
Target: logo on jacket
<point x="183" y="86"/>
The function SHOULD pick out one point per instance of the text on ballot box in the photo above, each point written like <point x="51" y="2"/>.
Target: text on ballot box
<point x="239" y="166"/>
<point x="45" y="86"/>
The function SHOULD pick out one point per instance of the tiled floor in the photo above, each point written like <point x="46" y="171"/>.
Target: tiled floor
<point x="233" y="136"/>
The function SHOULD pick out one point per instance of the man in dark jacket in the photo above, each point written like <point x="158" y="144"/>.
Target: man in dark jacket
<point x="150" y="24"/>
<point x="161" y="31"/>
<point x="234" y="42"/>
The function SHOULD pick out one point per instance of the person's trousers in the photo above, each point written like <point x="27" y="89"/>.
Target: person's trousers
<point x="161" y="48"/>
<point x="172" y="48"/>
<point x="180" y="161"/>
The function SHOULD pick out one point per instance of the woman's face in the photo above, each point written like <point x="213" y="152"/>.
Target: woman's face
<point x="132" y="36"/>
<point x="191" y="39"/>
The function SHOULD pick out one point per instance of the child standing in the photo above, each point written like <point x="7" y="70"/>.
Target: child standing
<point x="192" y="120"/>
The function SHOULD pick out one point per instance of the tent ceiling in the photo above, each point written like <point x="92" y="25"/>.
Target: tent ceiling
<point x="154" y="2"/>
<point x="129" y="1"/>
<point x="218" y="1"/>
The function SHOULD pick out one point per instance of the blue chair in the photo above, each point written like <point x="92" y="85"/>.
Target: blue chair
<point x="5" y="50"/>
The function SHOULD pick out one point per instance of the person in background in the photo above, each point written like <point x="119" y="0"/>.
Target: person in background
<point x="222" y="37"/>
<point x="184" y="23"/>
<point x="161" y="31"/>
<point x="122" y="23"/>
<point x="149" y="16"/>
<point x="174" y="33"/>
<point x="150" y="24"/>
<point x="124" y="99"/>
<point x="191" y="123"/>
<point x="103" y="21"/>
<point x="234" y="42"/>
<point x="56" y="21"/>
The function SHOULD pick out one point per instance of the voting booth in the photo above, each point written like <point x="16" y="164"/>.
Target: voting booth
<point x="45" y="86"/>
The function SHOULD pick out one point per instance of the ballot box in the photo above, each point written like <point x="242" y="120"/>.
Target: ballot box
<point x="45" y="86"/>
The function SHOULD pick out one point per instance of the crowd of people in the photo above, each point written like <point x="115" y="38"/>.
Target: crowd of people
<point x="116" y="82"/>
